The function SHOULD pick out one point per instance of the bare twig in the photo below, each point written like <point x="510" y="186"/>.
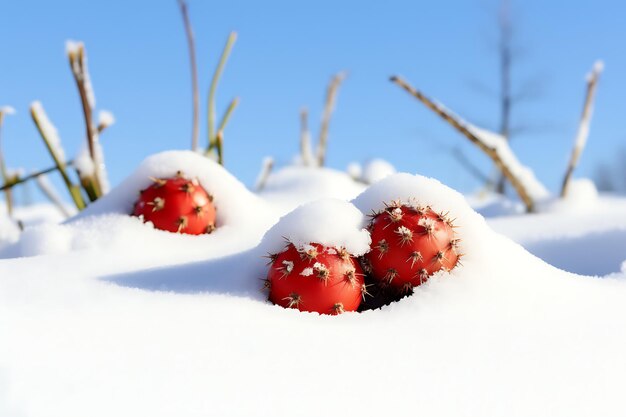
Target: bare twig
<point x="216" y="77"/>
<point x="48" y="190"/>
<point x="266" y="170"/>
<point x="7" y="179"/>
<point x="194" y="75"/>
<point x="306" y="154"/>
<point x="33" y="176"/>
<point x="331" y="98"/>
<point x="43" y="124"/>
<point x="78" y="64"/>
<point x="461" y="126"/>
<point x="583" y="126"/>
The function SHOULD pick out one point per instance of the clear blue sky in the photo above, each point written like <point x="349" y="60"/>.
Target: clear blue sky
<point x="284" y="57"/>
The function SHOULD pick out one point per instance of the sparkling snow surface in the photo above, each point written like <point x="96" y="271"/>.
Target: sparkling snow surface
<point x="114" y="318"/>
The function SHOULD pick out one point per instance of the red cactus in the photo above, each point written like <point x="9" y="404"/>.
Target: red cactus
<point x="409" y="244"/>
<point x="315" y="278"/>
<point x="177" y="205"/>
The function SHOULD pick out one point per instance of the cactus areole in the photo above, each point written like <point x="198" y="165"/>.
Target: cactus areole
<point x="315" y="278"/>
<point x="409" y="244"/>
<point x="178" y="205"/>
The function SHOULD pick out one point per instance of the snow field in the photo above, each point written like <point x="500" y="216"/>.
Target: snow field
<point x="127" y="320"/>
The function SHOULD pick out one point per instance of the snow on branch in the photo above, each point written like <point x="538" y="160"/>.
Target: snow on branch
<point x="78" y="63"/>
<point x="495" y="146"/>
<point x="583" y="127"/>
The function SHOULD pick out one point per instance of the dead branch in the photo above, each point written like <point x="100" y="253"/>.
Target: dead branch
<point x="306" y="154"/>
<point x="583" y="126"/>
<point x="266" y="170"/>
<point x="6" y="178"/>
<point x="461" y="126"/>
<point x="78" y="64"/>
<point x="194" y="74"/>
<point x="331" y="98"/>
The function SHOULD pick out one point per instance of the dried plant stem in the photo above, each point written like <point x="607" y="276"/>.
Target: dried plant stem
<point x="78" y="66"/>
<point x="73" y="189"/>
<point x="48" y="190"/>
<point x="194" y="75"/>
<point x="6" y="178"/>
<point x="266" y="170"/>
<point x="583" y="126"/>
<point x="306" y="154"/>
<point x="32" y="176"/>
<point x="213" y="88"/>
<point x="331" y="98"/>
<point x="460" y="126"/>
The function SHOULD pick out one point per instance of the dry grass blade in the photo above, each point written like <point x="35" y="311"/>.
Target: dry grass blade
<point x="41" y="121"/>
<point x="331" y="99"/>
<point x="194" y="75"/>
<point x="212" y="90"/>
<point x="78" y="64"/>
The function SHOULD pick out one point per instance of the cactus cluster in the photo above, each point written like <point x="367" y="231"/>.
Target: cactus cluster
<point x="178" y="205"/>
<point x="409" y="244"/>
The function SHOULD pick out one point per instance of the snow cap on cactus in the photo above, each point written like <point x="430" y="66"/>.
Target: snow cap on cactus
<point x="231" y="198"/>
<point x="416" y="190"/>
<point x="329" y="222"/>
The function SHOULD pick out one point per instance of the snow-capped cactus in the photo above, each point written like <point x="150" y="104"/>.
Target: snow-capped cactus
<point x="315" y="278"/>
<point x="177" y="205"/>
<point x="409" y="244"/>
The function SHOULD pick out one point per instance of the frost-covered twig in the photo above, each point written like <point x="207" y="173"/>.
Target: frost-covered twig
<point x="216" y="77"/>
<point x="331" y="98"/>
<point x="493" y="145"/>
<point x="266" y="169"/>
<point x="78" y="64"/>
<point x="48" y="190"/>
<point x="194" y="75"/>
<point x="33" y="176"/>
<point x="7" y="179"/>
<point x="306" y="153"/>
<point x="53" y="143"/>
<point x="583" y="127"/>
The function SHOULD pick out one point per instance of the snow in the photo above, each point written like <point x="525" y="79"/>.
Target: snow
<point x="329" y="222"/>
<point x="49" y="130"/>
<point x="85" y="165"/>
<point x="7" y="110"/>
<point x="291" y="186"/>
<point x="105" y="118"/>
<point x="73" y="49"/>
<point x="116" y="318"/>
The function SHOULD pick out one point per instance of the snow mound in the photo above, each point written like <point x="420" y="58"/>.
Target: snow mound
<point x="292" y="186"/>
<point x="582" y="195"/>
<point x="242" y="218"/>
<point x="372" y="171"/>
<point x="333" y="223"/>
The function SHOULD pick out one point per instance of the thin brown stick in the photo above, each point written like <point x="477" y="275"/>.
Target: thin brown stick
<point x="266" y="170"/>
<point x="305" y="138"/>
<point x="32" y="176"/>
<point x="583" y="126"/>
<point x="6" y="178"/>
<point x="194" y="74"/>
<point x="331" y="98"/>
<point x="460" y="125"/>
<point x="48" y="190"/>
<point x="77" y="58"/>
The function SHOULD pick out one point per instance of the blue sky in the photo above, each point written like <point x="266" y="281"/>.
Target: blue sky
<point x="285" y="54"/>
